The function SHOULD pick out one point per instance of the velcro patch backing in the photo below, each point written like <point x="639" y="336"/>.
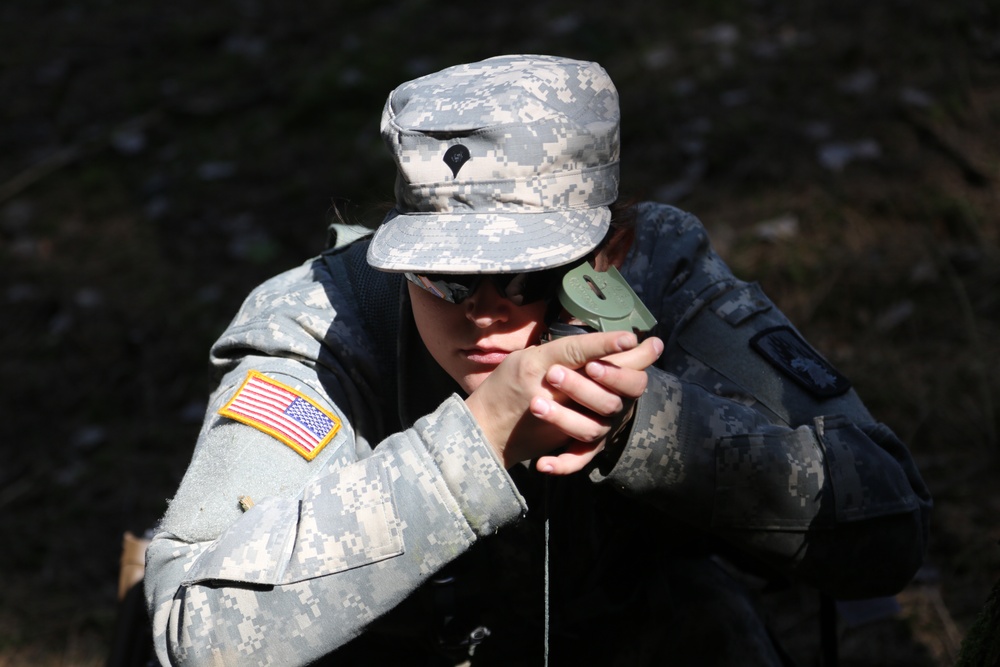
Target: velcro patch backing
<point x="784" y="349"/>
<point x="283" y="412"/>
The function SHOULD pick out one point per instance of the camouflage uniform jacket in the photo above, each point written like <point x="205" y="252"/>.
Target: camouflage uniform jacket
<point x="745" y="440"/>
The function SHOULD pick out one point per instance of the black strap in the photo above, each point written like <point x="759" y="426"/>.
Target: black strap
<point x="828" y="630"/>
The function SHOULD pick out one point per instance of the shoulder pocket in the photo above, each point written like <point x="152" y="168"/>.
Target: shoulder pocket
<point x="345" y="519"/>
<point x="718" y="337"/>
<point x="746" y="347"/>
<point x="348" y="518"/>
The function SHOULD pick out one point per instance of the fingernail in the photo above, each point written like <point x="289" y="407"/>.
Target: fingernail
<point x="556" y="375"/>
<point x="658" y="346"/>
<point x="539" y="407"/>
<point x="595" y="370"/>
<point x="547" y="468"/>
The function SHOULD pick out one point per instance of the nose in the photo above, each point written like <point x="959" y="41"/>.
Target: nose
<point x="487" y="306"/>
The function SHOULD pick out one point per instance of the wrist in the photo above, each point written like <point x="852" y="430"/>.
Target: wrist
<point x="481" y="417"/>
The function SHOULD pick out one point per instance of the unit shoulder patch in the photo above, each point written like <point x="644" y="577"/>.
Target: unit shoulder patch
<point x="282" y="412"/>
<point x="784" y="349"/>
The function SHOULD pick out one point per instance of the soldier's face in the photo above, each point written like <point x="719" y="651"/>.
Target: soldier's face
<point x="470" y="339"/>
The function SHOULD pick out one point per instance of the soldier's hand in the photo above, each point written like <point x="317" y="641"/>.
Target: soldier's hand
<point x="623" y="374"/>
<point x="565" y="394"/>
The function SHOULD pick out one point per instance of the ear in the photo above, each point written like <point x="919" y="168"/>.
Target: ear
<point x="615" y="249"/>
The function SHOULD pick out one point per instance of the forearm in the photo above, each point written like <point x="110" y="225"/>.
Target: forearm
<point x="295" y="578"/>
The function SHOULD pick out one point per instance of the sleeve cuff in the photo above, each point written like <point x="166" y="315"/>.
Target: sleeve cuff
<point x="647" y="454"/>
<point x="470" y="468"/>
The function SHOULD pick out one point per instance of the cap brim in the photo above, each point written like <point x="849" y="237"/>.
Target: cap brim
<point x="486" y="242"/>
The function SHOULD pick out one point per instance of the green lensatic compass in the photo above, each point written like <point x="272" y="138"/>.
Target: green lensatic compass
<point x="602" y="301"/>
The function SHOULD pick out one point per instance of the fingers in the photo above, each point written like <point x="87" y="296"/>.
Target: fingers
<point x="603" y="385"/>
<point x="574" y="459"/>
<point x="598" y="394"/>
<point x="581" y="426"/>
<point x="587" y="392"/>
<point x="574" y="387"/>
<point x="624" y="382"/>
<point x="638" y="357"/>
<point x="575" y="351"/>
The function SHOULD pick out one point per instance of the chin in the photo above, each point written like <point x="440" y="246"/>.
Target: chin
<point x="470" y="383"/>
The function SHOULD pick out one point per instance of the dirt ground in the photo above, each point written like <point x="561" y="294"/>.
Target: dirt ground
<point x="157" y="160"/>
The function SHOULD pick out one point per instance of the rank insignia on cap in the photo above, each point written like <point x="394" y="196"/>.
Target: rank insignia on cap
<point x="283" y="412"/>
<point x="455" y="157"/>
<point x="789" y="353"/>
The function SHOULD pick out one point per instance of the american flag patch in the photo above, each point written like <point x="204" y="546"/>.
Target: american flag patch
<point x="282" y="412"/>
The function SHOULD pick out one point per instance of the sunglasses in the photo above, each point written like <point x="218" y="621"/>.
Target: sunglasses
<point x="520" y="288"/>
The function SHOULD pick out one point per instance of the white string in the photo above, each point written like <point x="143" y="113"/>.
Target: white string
<point x="546" y="620"/>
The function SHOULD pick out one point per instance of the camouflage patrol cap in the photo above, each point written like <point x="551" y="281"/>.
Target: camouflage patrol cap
<point x="508" y="164"/>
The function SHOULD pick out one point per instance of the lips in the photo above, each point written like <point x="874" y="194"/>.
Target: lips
<point x="485" y="356"/>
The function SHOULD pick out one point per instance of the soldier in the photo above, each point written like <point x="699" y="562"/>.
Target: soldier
<point x="395" y="469"/>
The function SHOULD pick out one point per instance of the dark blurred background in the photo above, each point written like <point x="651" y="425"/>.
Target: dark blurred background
<point x="157" y="160"/>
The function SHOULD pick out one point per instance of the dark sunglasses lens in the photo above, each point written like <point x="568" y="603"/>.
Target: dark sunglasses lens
<point x="524" y="288"/>
<point x="519" y="288"/>
<point x="451" y="288"/>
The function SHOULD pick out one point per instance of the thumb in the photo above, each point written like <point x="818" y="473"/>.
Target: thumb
<point x="575" y="351"/>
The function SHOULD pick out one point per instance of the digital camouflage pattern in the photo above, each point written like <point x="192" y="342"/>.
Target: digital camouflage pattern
<point x="504" y="165"/>
<point x="726" y="454"/>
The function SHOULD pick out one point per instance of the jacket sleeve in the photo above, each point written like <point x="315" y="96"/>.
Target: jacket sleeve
<point x="836" y="504"/>
<point x="326" y="545"/>
<point x="747" y="432"/>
